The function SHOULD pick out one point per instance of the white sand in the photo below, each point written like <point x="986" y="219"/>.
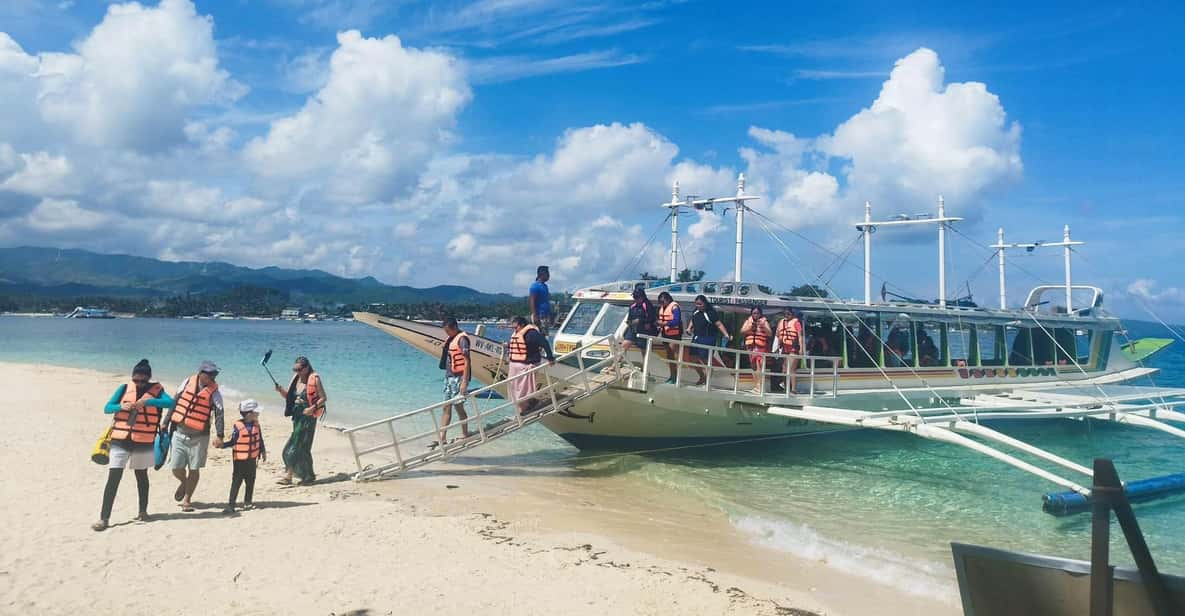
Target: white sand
<point x="494" y="544"/>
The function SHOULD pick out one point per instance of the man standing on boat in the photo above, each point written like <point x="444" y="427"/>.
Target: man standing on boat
<point x="789" y="336"/>
<point x="527" y="347"/>
<point x="454" y="360"/>
<point x="539" y="298"/>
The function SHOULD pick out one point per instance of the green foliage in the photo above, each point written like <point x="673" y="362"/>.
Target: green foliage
<point x="808" y="290"/>
<point x="688" y="275"/>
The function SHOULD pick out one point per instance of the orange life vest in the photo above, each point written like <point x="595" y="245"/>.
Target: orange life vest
<point x="456" y="356"/>
<point x="790" y="334"/>
<point x="194" y="405"/>
<point x="147" y="420"/>
<point x="757" y="337"/>
<point x="250" y="441"/>
<point x="666" y="314"/>
<point x="518" y="344"/>
<point x="312" y="391"/>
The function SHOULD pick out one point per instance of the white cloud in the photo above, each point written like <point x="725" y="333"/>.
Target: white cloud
<point x="63" y="216"/>
<point x="367" y="134"/>
<point x="39" y="174"/>
<point x="1146" y="289"/>
<point x="920" y="138"/>
<point x="135" y="77"/>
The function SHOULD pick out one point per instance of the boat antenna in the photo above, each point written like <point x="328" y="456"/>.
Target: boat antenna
<point x="868" y="227"/>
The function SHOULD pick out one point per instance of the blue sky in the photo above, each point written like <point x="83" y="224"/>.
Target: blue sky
<point x="494" y="134"/>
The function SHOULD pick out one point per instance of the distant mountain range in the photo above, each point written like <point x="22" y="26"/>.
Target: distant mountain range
<point x="59" y="272"/>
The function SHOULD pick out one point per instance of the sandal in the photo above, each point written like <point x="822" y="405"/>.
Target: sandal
<point x="101" y="525"/>
<point x="187" y="508"/>
<point x="284" y="482"/>
<point x="143" y="517"/>
<point x="179" y="493"/>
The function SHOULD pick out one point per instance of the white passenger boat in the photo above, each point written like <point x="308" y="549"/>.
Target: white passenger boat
<point x="943" y="370"/>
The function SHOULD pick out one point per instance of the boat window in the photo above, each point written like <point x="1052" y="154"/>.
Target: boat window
<point x="1043" y="347"/>
<point x="744" y="290"/>
<point x="709" y="288"/>
<point x="991" y="344"/>
<point x="1082" y="338"/>
<point x="726" y="289"/>
<point x="898" y="336"/>
<point x="611" y="319"/>
<point x="675" y="289"/>
<point x="693" y="288"/>
<point x="1020" y="346"/>
<point x="931" y="337"/>
<point x="581" y="318"/>
<point x="765" y="289"/>
<point x="822" y="337"/>
<point x="1065" y="347"/>
<point x="862" y="348"/>
<point x="962" y="351"/>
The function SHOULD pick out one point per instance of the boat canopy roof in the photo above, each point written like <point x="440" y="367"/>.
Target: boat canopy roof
<point x="732" y="293"/>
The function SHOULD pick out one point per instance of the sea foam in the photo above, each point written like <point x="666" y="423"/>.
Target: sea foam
<point x="914" y="576"/>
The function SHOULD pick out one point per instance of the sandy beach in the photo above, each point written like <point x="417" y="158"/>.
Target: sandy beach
<point x="452" y="540"/>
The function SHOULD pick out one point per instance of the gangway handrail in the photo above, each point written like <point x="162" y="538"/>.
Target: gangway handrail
<point x="547" y="391"/>
<point x="736" y="371"/>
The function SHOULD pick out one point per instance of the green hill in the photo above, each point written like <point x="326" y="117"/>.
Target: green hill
<point x="58" y="273"/>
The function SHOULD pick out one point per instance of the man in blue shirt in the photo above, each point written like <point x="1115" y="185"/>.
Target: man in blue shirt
<point x="540" y="300"/>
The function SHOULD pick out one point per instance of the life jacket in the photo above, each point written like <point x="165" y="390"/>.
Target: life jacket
<point x="790" y="334"/>
<point x="518" y="344"/>
<point x="757" y="337"/>
<point x="666" y="314"/>
<point x="194" y="406"/>
<point x="146" y="422"/>
<point x="250" y="441"/>
<point x="312" y="391"/>
<point x="456" y="357"/>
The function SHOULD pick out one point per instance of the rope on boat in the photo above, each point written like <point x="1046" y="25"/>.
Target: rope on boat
<point x="641" y="253"/>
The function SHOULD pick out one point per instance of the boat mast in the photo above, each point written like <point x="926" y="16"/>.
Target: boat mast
<point x="867" y="229"/>
<point x="1000" y="250"/>
<point x="674" y="230"/>
<point x="1066" y="243"/>
<point x="740" y="203"/>
<point x="941" y="252"/>
<point x="868" y="226"/>
<point x="708" y="205"/>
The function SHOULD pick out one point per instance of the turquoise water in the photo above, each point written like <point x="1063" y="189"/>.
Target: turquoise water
<point x="884" y="506"/>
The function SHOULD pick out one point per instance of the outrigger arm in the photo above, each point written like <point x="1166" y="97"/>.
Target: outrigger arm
<point x="951" y="425"/>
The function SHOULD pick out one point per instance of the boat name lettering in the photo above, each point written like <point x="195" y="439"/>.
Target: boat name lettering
<point x="738" y="301"/>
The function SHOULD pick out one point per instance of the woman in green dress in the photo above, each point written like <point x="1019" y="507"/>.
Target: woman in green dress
<point x="304" y="402"/>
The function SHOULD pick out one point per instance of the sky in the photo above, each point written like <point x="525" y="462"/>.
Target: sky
<point x="467" y="141"/>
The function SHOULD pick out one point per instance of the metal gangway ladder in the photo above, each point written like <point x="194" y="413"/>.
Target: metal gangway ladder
<point x="414" y="439"/>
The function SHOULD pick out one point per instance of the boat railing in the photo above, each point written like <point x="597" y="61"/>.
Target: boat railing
<point x="808" y="368"/>
<point x="417" y="437"/>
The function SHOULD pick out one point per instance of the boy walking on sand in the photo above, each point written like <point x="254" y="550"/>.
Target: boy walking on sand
<point x="246" y="441"/>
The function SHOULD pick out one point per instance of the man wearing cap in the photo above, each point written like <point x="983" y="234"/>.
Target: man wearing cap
<point x="198" y="402"/>
<point x="539" y="298"/>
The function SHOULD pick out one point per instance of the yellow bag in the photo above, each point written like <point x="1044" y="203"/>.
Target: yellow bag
<point x="102" y="451"/>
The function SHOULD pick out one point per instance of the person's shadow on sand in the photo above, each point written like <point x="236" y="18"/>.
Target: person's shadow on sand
<point x="212" y="511"/>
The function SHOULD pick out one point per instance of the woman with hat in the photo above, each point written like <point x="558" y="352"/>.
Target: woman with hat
<point x="304" y="402"/>
<point x="137" y="407"/>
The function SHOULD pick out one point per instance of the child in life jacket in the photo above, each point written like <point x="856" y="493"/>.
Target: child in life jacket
<point x="246" y="443"/>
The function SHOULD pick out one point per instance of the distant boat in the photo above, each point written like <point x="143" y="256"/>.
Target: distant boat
<point x="90" y="313"/>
